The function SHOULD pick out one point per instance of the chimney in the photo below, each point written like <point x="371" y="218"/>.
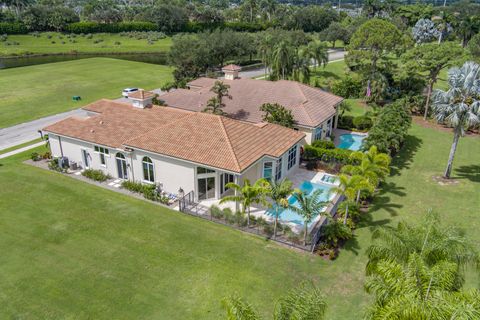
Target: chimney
<point x="141" y="99"/>
<point x="231" y="71"/>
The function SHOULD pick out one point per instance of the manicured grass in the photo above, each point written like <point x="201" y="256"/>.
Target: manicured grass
<point x="334" y="70"/>
<point x="74" y="250"/>
<point x="20" y="146"/>
<point x="37" y="91"/>
<point x="98" y="43"/>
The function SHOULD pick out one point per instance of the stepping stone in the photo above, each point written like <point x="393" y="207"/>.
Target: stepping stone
<point x="111" y="183"/>
<point x="117" y="185"/>
<point x="77" y="173"/>
<point x="117" y="181"/>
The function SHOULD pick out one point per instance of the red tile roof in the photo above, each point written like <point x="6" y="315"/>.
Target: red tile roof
<point x="310" y="106"/>
<point x="141" y="94"/>
<point x="232" y="67"/>
<point x="202" y="138"/>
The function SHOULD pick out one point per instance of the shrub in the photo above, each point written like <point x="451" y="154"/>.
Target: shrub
<point x="228" y="215"/>
<point x="293" y="237"/>
<point x="13" y="28"/>
<point x="335" y="231"/>
<point x="96" y="27"/>
<point x="216" y="212"/>
<point x="268" y="229"/>
<point x="47" y="155"/>
<point x="133" y="186"/>
<point x="324" y="144"/>
<point x="390" y="129"/>
<point x="149" y="192"/>
<point x="35" y="156"/>
<point x="345" y="122"/>
<point x="347" y="87"/>
<point x="328" y="155"/>
<point x="96" y="175"/>
<point x="362" y="122"/>
<point x="53" y="165"/>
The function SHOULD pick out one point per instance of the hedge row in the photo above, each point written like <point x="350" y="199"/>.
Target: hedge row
<point x="235" y="26"/>
<point x="95" y="27"/>
<point x="328" y="155"/>
<point x="361" y="123"/>
<point x="12" y="28"/>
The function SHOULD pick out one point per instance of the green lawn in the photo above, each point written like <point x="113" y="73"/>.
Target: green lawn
<point x="73" y="250"/>
<point x="334" y="70"/>
<point x="98" y="43"/>
<point x="33" y="92"/>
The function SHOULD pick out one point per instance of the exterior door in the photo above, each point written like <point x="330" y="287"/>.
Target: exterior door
<point x="86" y="163"/>
<point x="121" y="166"/>
<point x="206" y="188"/>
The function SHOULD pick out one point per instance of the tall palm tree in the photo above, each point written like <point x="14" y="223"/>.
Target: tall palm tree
<point x="282" y="59"/>
<point x="432" y="241"/>
<point x="459" y="106"/>
<point x="318" y="52"/>
<point x="301" y="67"/>
<point x="247" y="195"/>
<point x="279" y="192"/>
<point x="348" y="187"/>
<point x="309" y="206"/>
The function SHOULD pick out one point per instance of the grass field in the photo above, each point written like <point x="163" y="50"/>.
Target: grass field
<point x="98" y="43"/>
<point x="3" y="151"/>
<point x="33" y="92"/>
<point x="73" y="250"/>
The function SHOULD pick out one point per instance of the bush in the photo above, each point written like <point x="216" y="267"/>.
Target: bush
<point x="324" y="144"/>
<point x="347" y="87"/>
<point x="390" y="129"/>
<point x="268" y="229"/>
<point x="362" y="122"/>
<point x="345" y="122"/>
<point x="96" y="27"/>
<point x="35" y="156"/>
<point x="53" y="165"/>
<point x="13" y="28"/>
<point x="133" y="186"/>
<point x="216" y="212"/>
<point x="328" y="155"/>
<point x="335" y="231"/>
<point x="96" y="175"/>
<point x="228" y="215"/>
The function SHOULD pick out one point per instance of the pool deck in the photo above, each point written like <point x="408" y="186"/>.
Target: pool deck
<point x="297" y="177"/>
<point x="338" y="132"/>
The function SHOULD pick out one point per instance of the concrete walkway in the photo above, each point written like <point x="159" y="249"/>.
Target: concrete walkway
<point x="13" y="152"/>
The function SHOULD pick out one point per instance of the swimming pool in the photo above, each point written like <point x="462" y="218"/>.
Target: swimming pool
<point x="351" y="141"/>
<point x="307" y="187"/>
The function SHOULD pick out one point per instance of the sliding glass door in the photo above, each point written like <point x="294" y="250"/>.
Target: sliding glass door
<point x="206" y="188"/>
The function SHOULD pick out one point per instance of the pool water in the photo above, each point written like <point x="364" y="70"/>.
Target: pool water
<point x="328" y="179"/>
<point x="351" y="141"/>
<point x="291" y="216"/>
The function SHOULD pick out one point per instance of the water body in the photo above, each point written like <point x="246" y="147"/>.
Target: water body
<point x="155" y="58"/>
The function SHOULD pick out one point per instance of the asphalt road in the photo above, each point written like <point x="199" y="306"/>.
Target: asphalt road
<point x="28" y="131"/>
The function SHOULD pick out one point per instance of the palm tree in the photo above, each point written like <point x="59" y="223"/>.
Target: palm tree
<point x="348" y="187"/>
<point x="247" y="194"/>
<point x="459" y="106"/>
<point x="221" y="90"/>
<point x="301" y="303"/>
<point x="301" y="67"/>
<point x="309" y="206"/>
<point x="279" y="193"/>
<point x="282" y="59"/>
<point x="318" y="52"/>
<point x="214" y="106"/>
<point x="432" y="241"/>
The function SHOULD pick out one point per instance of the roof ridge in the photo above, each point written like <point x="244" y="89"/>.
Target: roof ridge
<point x="237" y="164"/>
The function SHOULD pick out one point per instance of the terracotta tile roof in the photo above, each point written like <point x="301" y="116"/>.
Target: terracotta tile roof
<point x="232" y="67"/>
<point x="202" y="138"/>
<point x="310" y="106"/>
<point x="141" y="94"/>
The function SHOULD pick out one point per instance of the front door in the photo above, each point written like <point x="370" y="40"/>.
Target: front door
<point x="86" y="163"/>
<point x="206" y="188"/>
<point x="121" y="166"/>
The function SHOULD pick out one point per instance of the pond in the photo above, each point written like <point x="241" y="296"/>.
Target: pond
<point x="14" y="62"/>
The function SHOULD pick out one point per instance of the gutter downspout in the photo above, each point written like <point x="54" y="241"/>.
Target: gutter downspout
<point x="60" y="144"/>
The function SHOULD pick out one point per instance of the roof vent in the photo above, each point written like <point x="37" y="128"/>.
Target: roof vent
<point x="231" y="71"/>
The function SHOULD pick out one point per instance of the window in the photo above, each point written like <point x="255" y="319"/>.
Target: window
<point x="268" y="170"/>
<point x="278" y="170"/>
<point x="148" y="169"/>
<point x="317" y="134"/>
<point x="101" y="152"/>
<point x="201" y="170"/>
<point x="292" y="157"/>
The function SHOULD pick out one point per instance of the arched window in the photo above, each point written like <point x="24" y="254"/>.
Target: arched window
<point x="120" y="155"/>
<point x="148" y="169"/>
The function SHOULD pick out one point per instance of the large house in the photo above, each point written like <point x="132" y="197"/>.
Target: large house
<point x="314" y="110"/>
<point x="174" y="148"/>
<point x="179" y="148"/>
